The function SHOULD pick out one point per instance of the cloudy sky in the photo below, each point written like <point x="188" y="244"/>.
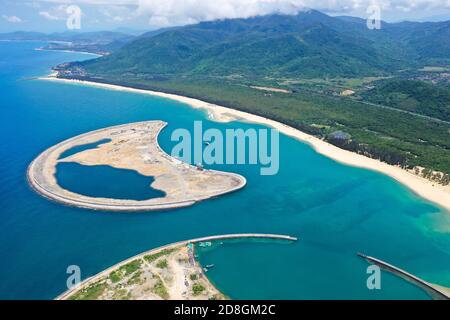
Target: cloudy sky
<point x="51" y="15"/>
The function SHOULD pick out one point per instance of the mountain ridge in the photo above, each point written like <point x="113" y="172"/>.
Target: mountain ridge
<point x="309" y="44"/>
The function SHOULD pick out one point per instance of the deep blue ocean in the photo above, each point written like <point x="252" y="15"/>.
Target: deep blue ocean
<point x="335" y="210"/>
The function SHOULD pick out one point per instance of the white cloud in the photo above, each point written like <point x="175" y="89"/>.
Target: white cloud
<point x="173" y="12"/>
<point x="261" y="6"/>
<point x="56" y="13"/>
<point x="115" y="13"/>
<point x="12" y="19"/>
<point x="178" y="12"/>
<point x="47" y="15"/>
<point x="93" y="2"/>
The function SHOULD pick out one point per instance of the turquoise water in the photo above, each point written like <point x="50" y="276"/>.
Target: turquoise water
<point x="334" y="209"/>
<point x="105" y="182"/>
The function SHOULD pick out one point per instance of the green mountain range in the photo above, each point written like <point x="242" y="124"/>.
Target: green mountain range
<point x="309" y="44"/>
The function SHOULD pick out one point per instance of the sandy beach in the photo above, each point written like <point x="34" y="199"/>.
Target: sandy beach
<point x="70" y="51"/>
<point x="429" y="190"/>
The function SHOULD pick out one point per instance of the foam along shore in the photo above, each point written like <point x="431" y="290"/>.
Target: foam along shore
<point x="169" y="272"/>
<point x="428" y="190"/>
<point x="132" y="146"/>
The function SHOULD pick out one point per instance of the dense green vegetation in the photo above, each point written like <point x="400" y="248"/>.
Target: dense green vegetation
<point x="310" y="44"/>
<point x="414" y="96"/>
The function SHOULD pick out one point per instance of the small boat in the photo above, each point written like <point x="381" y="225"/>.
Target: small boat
<point x="209" y="266"/>
<point x="205" y="270"/>
<point x="205" y="244"/>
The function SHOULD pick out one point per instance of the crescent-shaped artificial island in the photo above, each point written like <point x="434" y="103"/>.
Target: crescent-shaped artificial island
<point x="135" y="147"/>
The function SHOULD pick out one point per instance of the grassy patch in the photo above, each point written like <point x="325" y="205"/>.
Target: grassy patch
<point x="122" y="294"/>
<point x="135" y="278"/>
<point x="160" y="289"/>
<point x="164" y="252"/>
<point x="92" y="292"/>
<point x="162" y="264"/>
<point x="197" y="288"/>
<point x="193" y="277"/>
<point x="125" y="270"/>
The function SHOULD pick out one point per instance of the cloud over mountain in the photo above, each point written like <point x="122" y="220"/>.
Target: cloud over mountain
<point x="170" y="12"/>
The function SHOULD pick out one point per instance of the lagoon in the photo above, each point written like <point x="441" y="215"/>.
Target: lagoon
<point x="105" y="182"/>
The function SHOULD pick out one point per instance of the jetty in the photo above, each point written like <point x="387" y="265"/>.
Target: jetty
<point x="132" y="146"/>
<point x="434" y="290"/>
<point x="187" y="245"/>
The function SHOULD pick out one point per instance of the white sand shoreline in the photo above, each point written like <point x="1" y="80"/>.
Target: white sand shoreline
<point x="428" y="190"/>
<point x="69" y="51"/>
